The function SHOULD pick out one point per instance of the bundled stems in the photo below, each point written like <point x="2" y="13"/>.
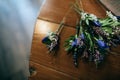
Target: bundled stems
<point x="60" y="27"/>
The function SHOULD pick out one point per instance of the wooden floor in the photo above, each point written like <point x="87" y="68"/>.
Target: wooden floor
<point x="61" y="67"/>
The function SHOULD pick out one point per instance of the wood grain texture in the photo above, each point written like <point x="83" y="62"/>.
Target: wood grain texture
<point x="62" y="64"/>
<point x="55" y="10"/>
<point x="52" y="74"/>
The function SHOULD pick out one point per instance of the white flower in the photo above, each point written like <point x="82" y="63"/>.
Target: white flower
<point x="93" y="17"/>
<point x="109" y="14"/>
<point x="83" y="15"/>
<point x="53" y="36"/>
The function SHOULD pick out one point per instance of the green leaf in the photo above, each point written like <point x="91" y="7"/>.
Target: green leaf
<point x="107" y="29"/>
<point x="88" y="36"/>
<point x="68" y="48"/>
<point x="87" y="21"/>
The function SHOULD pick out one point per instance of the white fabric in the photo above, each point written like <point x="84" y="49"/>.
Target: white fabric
<point x="17" y="20"/>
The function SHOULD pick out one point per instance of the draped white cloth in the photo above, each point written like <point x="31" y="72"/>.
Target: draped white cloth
<point x="17" y="20"/>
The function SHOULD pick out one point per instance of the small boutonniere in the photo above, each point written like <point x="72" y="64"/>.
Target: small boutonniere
<point x="52" y="39"/>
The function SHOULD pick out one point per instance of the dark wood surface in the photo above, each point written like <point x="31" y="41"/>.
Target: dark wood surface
<point x="61" y="67"/>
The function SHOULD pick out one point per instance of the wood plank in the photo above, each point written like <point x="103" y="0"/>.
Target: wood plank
<point x="94" y="7"/>
<point x="46" y="73"/>
<point x="54" y="10"/>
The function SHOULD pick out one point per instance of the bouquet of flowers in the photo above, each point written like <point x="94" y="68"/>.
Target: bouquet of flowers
<point x="94" y="36"/>
<point x="52" y="39"/>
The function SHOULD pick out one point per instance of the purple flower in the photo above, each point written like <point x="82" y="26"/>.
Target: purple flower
<point x="101" y="44"/>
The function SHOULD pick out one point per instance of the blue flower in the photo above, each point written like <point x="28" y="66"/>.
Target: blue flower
<point x="118" y="17"/>
<point x="96" y="23"/>
<point x="82" y="36"/>
<point x="46" y="40"/>
<point x="74" y="43"/>
<point x="101" y="44"/>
